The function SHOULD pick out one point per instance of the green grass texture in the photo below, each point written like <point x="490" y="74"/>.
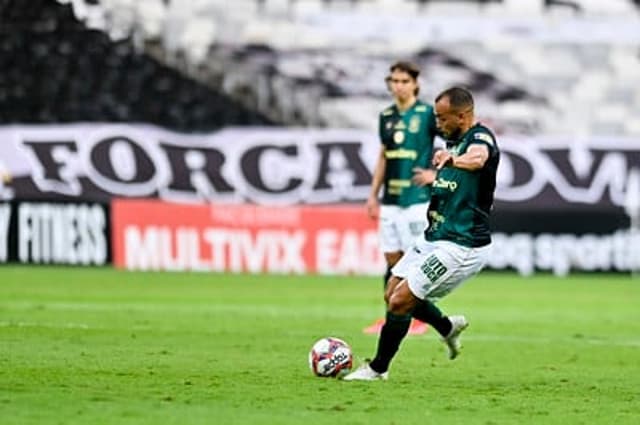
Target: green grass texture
<point x="102" y="346"/>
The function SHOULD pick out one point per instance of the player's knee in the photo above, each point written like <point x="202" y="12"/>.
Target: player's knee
<point x="392" y="258"/>
<point x="387" y="296"/>
<point x="391" y="286"/>
<point x="398" y="305"/>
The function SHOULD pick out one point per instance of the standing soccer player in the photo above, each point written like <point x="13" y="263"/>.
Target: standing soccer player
<point x="407" y="130"/>
<point x="456" y="244"/>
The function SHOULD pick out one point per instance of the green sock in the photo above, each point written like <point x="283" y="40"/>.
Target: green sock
<point x="393" y="332"/>
<point x="428" y="312"/>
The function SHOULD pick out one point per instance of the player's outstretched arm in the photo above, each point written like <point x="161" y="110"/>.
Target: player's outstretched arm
<point x="473" y="159"/>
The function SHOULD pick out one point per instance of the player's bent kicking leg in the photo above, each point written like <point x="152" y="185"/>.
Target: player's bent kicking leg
<point x="433" y="270"/>
<point x="442" y="267"/>
<point x="458" y="324"/>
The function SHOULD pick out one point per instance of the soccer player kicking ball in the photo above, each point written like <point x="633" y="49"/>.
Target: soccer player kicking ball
<point x="456" y="244"/>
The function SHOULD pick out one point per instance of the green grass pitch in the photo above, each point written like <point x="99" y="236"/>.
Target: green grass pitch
<point x="100" y="346"/>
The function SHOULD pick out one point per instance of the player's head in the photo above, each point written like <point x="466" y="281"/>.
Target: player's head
<point x="403" y="80"/>
<point x="454" y="112"/>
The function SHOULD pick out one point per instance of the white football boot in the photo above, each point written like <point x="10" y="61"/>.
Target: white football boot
<point x="365" y="373"/>
<point x="458" y="324"/>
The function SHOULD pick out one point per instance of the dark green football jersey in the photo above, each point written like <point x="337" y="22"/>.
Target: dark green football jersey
<point x="408" y="141"/>
<point x="462" y="200"/>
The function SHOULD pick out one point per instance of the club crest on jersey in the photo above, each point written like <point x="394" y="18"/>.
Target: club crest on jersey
<point x="398" y="137"/>
<point x="414" y="124"/>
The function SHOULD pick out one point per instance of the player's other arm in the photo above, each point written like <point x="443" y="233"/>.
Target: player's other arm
<point x="473" y="159"/>
<point x="423" y="176"/>
<point x="373" y="205"/>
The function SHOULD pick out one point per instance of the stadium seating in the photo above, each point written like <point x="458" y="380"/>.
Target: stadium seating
<point x="537" y="66"/>
<point x="56" y="69"/>
<point x="320" y="62"/>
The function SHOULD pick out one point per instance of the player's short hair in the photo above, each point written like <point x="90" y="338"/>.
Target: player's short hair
<point x="406" y="66"/>
<point x="459" y="98"/>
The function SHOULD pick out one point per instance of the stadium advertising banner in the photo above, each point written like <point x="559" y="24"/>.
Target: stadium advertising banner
<point x="281" y="166"/>
<point x="560" y="203"/>
<point x="156" y="235"/>
<point x="54" y="233"/>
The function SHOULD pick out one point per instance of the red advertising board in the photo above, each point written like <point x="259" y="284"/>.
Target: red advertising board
<point x="157" y="235"/>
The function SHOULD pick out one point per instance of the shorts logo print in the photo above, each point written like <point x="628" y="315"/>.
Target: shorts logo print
<point x="433" y="268"/>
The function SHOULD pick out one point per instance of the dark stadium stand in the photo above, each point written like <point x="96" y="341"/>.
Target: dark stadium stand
<point x="537" y="66"/>
<point x="55" y="70"/>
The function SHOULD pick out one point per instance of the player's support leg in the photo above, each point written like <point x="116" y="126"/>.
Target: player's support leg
<point x="393" y="332"/>
<point x="417" y="327"/>
<point x="376" y="327"/>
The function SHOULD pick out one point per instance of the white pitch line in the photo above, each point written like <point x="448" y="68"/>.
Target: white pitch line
<point x="467" y="337"/>
<point x="545" y="340"/>
<point x="265" y="310"/>
<point x="6" y="324"/>
<point x="83" y="326"/>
